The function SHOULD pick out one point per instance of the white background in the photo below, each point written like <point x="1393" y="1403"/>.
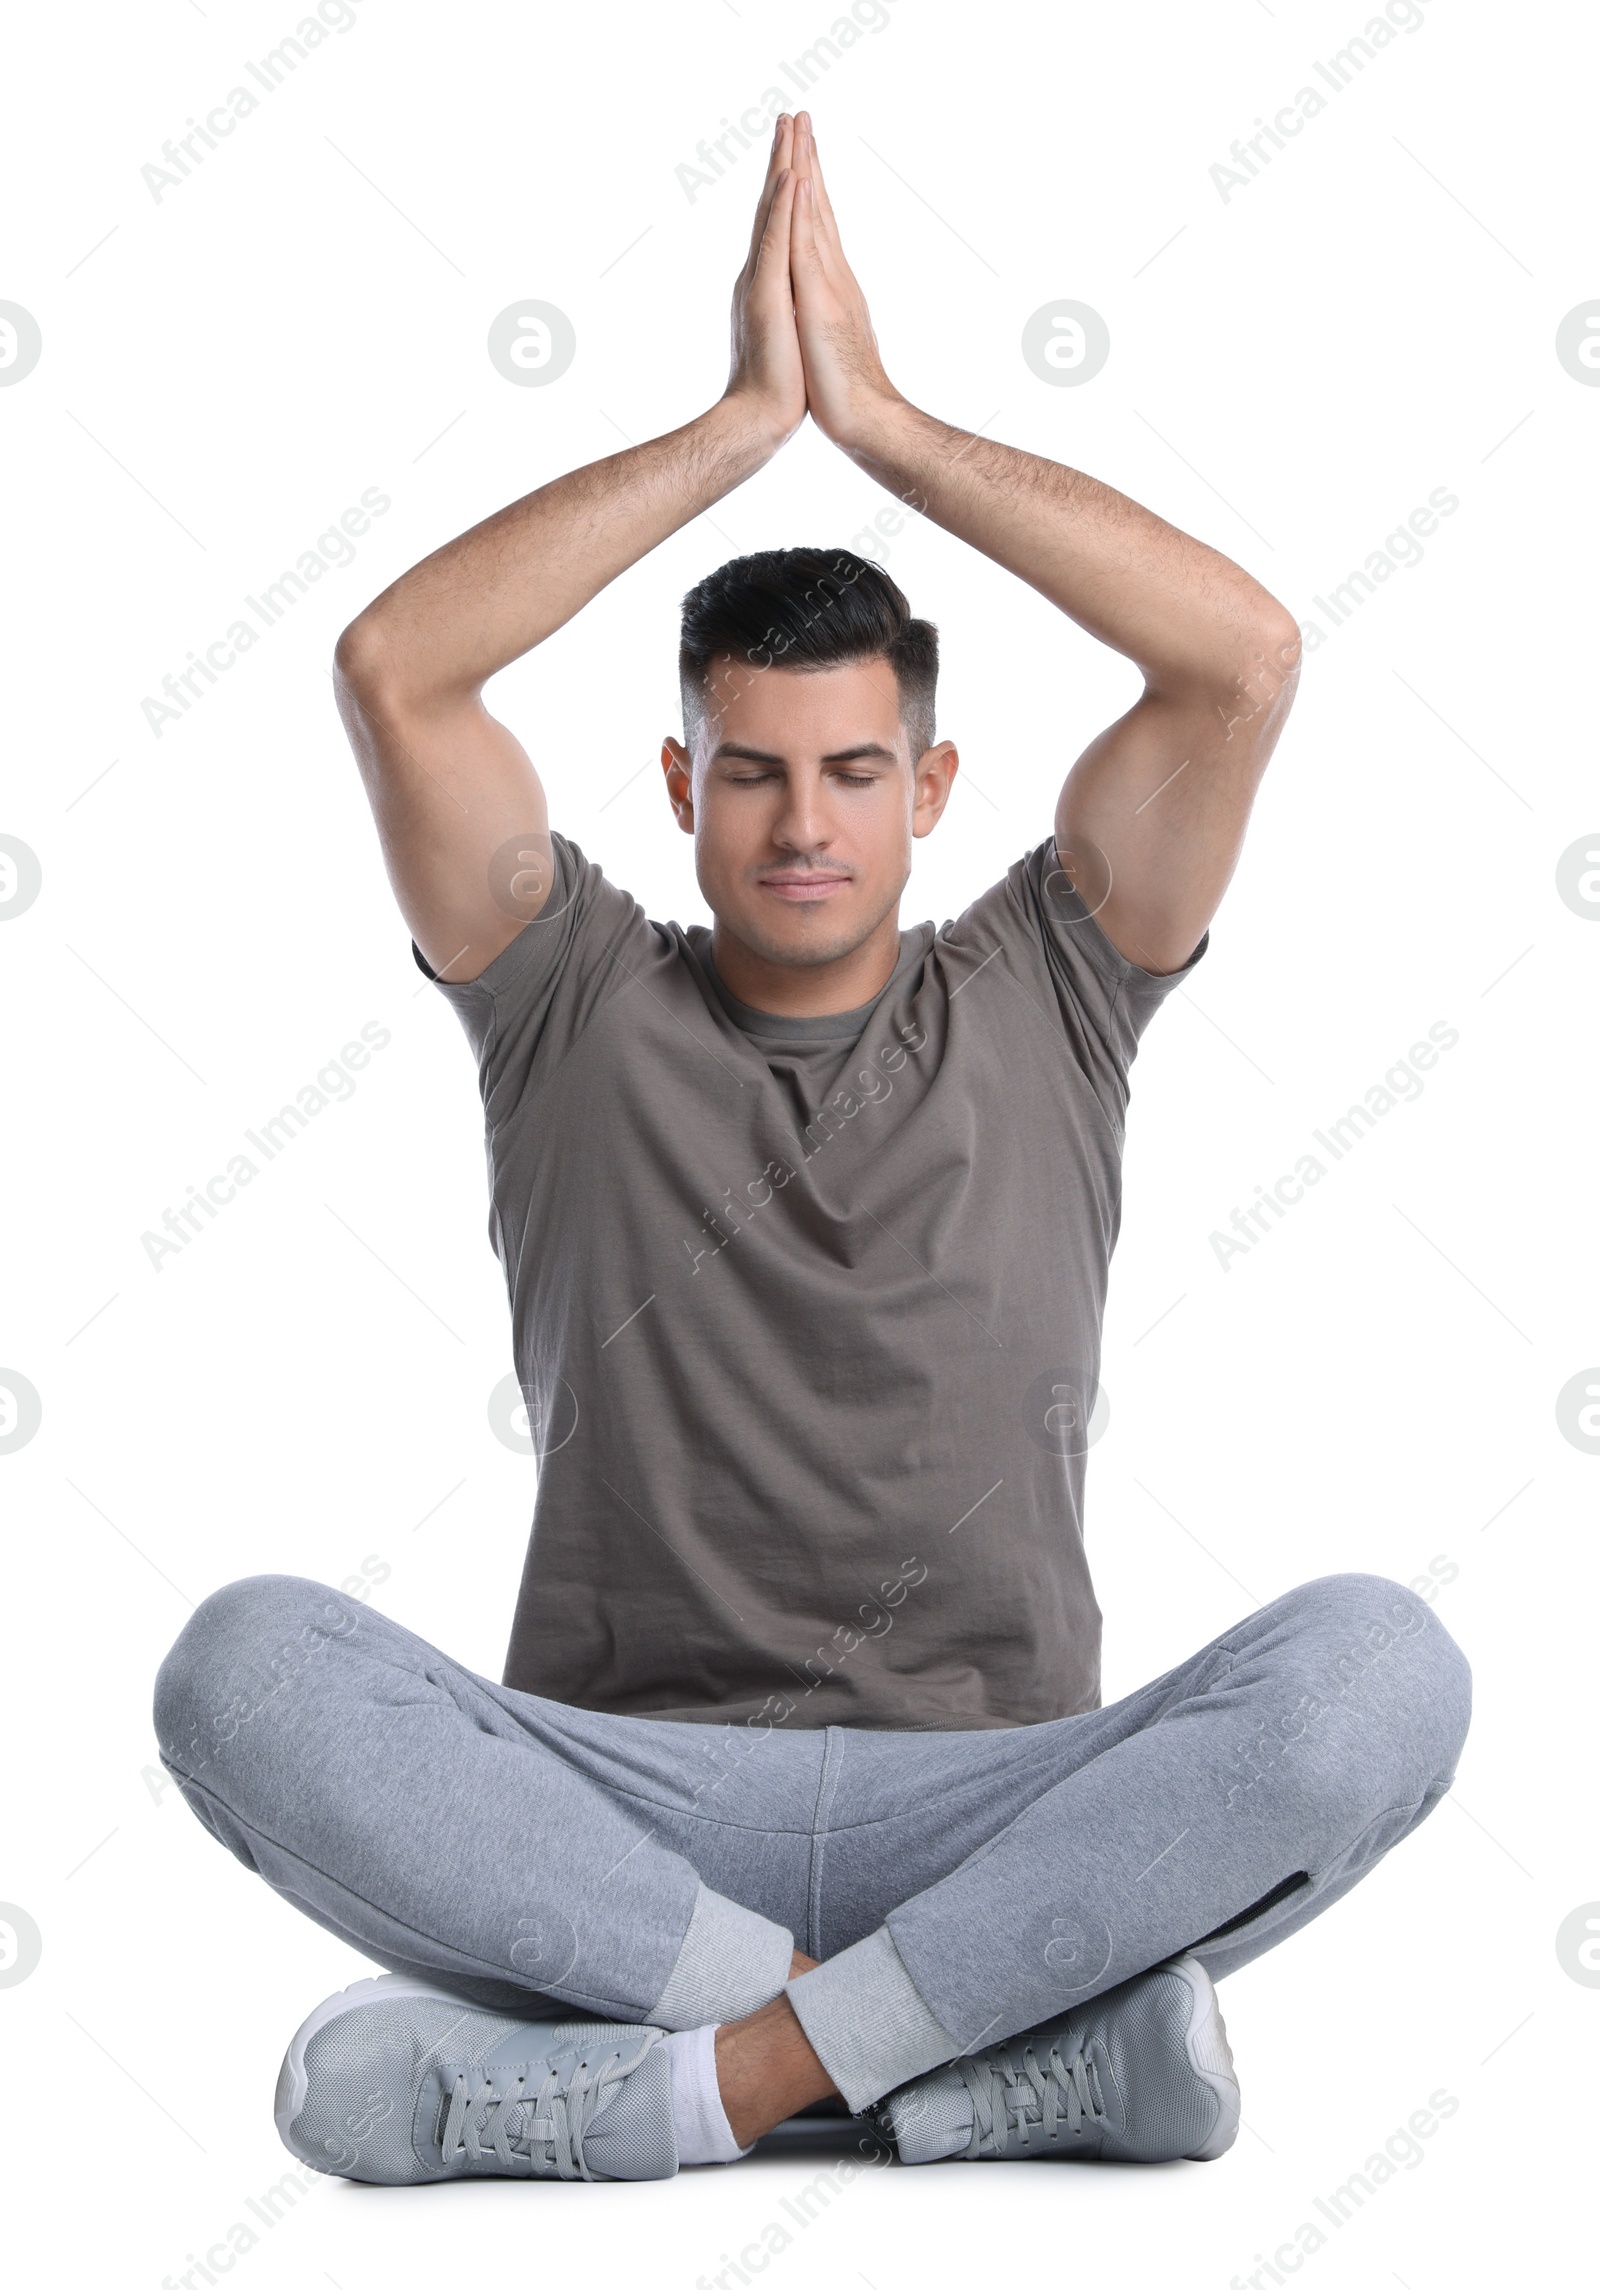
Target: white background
<point x="1293" y="370"/>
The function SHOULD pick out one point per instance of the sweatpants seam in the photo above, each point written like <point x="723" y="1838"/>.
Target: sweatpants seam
<point x="827" y="1782"/>
<point x="506" y="1975"/>
<point x="689" y="1812"/>
<point x="876" y="1820"/>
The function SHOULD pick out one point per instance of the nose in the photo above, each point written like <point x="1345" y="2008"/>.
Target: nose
<point x="802" y="824"/>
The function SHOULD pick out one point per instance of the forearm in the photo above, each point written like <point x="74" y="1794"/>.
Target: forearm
<point x="468" y="610"/>
<point x="1152" y="814"/>
<point x="1188" y="616"/>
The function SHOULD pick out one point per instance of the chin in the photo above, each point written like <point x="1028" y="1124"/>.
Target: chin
<point x="810" y="941"/>
<point x="805" y="953"/>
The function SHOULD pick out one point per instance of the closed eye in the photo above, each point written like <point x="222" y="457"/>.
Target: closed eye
<point x="762" y="778"/>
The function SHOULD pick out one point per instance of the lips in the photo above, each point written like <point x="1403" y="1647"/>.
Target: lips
<point x="804" y="889"/>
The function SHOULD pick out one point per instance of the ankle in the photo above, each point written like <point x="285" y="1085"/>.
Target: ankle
<point x="767" y="2070"/>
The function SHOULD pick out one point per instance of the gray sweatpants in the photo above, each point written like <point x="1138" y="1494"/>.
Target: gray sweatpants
<point x="959" y="1886"/>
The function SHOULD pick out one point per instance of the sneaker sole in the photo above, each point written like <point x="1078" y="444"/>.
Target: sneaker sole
<point x="1211" y="2058"/>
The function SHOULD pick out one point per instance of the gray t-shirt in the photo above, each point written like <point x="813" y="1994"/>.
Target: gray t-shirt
<point x="807" y="1311"/>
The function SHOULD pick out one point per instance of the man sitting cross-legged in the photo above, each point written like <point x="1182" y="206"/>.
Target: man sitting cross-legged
<point x="798" y="1786"/>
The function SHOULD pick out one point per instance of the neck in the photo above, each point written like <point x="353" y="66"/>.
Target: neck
<point x="807" y="989"/>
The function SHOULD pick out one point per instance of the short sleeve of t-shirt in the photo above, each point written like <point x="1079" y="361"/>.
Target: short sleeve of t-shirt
<point x="592" y="939"/>
<point x="525" y="1010"/>
<point x="1035" y="923"/>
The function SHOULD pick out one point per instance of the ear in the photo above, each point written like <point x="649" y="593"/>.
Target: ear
<point x="680" y="782"/>
<point x="934" y="777"/>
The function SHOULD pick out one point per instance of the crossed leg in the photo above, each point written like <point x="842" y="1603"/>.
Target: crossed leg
<point x="960" y="1886"/>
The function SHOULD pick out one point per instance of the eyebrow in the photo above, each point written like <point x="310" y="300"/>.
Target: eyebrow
<point x="732" y="750"/>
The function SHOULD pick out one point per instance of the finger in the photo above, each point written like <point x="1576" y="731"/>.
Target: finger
<point x="805" y="255"/>
<point x="763" y="202"/>
<point x="805" y="129"/>
<point x="803" y="143"/>
<point x="778" y="158"/>
<point x="772" y="256"/>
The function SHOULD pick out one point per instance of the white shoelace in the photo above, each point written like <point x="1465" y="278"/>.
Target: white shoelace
<point x="529" y="2131"/>
<point x="1016" y="2100"/>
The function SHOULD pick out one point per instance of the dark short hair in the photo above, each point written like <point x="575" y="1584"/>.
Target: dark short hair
<point x="805" y="609"/>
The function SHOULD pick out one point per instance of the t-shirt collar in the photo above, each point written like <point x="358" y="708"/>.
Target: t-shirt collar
<point x="834" y="1026"/>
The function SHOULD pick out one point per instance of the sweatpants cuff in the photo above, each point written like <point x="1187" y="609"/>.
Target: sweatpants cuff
<point x="866" y="2022"/>
<point x="731" y="1961"/>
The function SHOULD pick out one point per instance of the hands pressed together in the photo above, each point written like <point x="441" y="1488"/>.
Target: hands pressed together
<point x="802" y="336"/>
<point x="1218" y="653"/>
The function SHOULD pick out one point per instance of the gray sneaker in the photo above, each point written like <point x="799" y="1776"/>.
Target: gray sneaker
<point x="400" y="2084"/>
<point x="1141" y="2075"/>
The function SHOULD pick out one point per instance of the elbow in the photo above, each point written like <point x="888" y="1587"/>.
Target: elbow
<point x="377" y="672"/>
<point x="1266" y="672"/>
<point x="1275" y="642"/>
<point x="1282" y="650"/>
<point x="1253" y="680"/>
<point x="1280" y="639"/>
<point x="366" y="692"/>
<point x="1249" y="667"/>
<point x="362" y="663"/>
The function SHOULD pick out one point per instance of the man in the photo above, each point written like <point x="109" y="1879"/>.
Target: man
<point x="805" y="1222"/>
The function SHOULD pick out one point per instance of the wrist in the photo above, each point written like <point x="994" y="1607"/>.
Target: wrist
<point x="751" y="424"/>
<point x="874" y="428"/>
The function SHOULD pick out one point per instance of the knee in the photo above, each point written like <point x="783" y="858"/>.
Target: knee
<point x="1382" y="1696"/>
<point x="1446" y="1684"/>
<point x="232" y="1652"/>
<point x="1381" y="1649"/>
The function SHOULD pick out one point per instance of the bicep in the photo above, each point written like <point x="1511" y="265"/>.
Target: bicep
<point x="460" y="813"/>
<point x="1153" y="816"/>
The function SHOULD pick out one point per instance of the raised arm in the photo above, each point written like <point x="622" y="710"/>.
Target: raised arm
<point x="1153" y="813"/>
<point x="450" y="786"/>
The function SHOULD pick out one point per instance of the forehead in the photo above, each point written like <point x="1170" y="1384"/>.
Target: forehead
<point x="784" y="709"/>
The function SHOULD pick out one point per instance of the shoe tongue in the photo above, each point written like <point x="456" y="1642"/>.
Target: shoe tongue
<point x="527" y="2040"/>
<point x="932" y="2119"/>
<point x="632" y="2137"/>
